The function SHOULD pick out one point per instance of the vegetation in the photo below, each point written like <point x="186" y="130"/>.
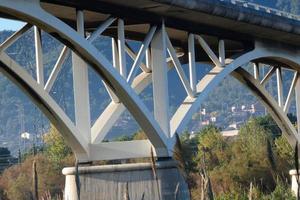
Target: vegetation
<point x="6" y="159"/>
<point x="16" y="182"/>
<point x="56" y="149"/>
<point x="255" y="163"/>
<point x="254" y="159"/>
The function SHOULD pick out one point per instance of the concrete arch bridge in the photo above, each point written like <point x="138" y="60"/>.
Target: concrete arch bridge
<point x="174" y="35"/>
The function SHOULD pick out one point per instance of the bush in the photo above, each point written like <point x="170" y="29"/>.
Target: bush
<point x="254" y="156"/>
<point x="16" y="181"/>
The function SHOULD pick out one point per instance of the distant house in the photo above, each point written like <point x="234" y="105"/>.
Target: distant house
<point x="235" y="125"/>
<point x="25" y="135"/>
<point x="230" y="133"/>
<point x="205" y="122"/>
<point x="213" y="119"/>
<point x="233" y="109"/>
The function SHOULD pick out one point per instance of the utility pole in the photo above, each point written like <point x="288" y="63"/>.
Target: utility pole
<point x="19" y="157"/>
<point x="35" y="181"/>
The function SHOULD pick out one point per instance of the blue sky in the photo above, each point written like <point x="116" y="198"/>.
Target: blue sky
<point x="6" y="24"/>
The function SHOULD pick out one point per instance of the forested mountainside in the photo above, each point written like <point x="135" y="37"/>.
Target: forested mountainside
<point x="18" y="114"/>
<point x="292" y="6"/>
<point x="268" y="3"/>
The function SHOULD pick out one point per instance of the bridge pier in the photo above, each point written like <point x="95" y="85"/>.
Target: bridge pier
<point x="137" y="181"/>
<point x="294" y="184"/>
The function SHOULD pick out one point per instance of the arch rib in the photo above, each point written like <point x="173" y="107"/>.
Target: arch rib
<point x="31" y="11"/>
<point x="204" y="87"/>
<point x="47" y="105"/>
<point x="215" y="76"/>
<point x="272" y="106"/>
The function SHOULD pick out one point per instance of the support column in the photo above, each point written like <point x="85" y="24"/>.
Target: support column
<point x="222" y="52"/>
<point x="279" y="86"/>
<point x="81" y="87"/>
<point x="192" y="63"/>
<point x="121" y="48"/>
<point x="297" y="94"/>
<point x="256" y="71"/>
<point x="294" y="183"/>
<point x="160" y="80"/>
<point x="39" y="56"/>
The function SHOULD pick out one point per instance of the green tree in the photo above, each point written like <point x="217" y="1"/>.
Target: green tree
<point x="16" y="181"/>
<point x="5" y="158"/>
<point x="56" y="148"/>
<point x="189" y="150"/>
<point x="267" y="123"/>
<point x="212" y="147"/>
<point x="139" y="135"/>
<point x="255" y="157"/>
<point x="282" y="191"/>
<point x="252" y="159"/>
<point x="285" y="155"/>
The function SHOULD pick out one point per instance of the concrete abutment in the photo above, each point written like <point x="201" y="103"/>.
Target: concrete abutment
<point x="137" y="180"/>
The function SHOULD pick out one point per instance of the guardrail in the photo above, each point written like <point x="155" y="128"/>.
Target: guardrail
<point x="263" y="9"/>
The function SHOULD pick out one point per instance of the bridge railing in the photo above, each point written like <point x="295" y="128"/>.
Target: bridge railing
<point x="263" y="9"/>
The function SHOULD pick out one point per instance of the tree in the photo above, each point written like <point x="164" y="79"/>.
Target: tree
<point x="285" y="155"/>
<point x="5" y="158"/>
<point x="56" y="148"/>
<point x="16" y="181"/>
<point x="189" y="150"/>
<point x="254" y="157"/>
<point x="212" y="147"/>
<point x="267" y="123"/>
<point x="139" y="135"/>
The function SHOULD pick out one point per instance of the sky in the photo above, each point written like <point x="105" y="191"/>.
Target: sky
<point x="6" y="24"/>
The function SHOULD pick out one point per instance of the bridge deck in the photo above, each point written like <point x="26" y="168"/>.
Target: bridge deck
<point x="221" y="18"/>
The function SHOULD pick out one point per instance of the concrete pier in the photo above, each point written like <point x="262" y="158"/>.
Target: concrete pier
<point x="293" y="174"/>
<point x="127" y="181"/>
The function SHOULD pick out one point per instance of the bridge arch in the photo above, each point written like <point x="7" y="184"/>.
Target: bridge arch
<point x="30" y="11"/>
<point x="84" y="148"/>
<point x="270" y="104"/>
<point x="287" y="57"/>
<point x="46" y="104"/>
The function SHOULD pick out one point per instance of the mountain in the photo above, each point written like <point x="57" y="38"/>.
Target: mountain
<point x="292" y="6"/>
<point x="268" y="3"/>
